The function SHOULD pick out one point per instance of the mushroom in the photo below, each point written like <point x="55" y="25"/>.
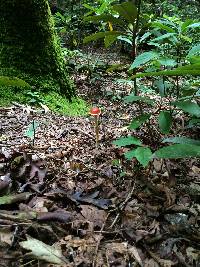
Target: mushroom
<point x="95" y="112"/>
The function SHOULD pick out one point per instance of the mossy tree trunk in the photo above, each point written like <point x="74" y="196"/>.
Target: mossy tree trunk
<point x="28" y="41"/>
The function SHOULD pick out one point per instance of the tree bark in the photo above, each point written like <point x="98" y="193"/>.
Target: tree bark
<point x="28" y="41"/>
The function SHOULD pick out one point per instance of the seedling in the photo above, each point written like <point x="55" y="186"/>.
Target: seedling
<point x="95" y="112"/>
<point x="31" y="131"/>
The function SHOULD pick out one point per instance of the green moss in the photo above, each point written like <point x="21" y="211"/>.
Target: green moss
<point x="54" y="101"/>
<point x="59" y="104"/>
<point x="45" y="83"/>
<point x="28" y="43"/>
<point x="7" y="96"/>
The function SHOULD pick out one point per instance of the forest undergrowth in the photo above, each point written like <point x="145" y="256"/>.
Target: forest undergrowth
<point x="77" y="203"/>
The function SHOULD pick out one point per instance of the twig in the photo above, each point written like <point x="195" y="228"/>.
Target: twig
<point x="99" y="241"/>
<point x="123" y="205"/>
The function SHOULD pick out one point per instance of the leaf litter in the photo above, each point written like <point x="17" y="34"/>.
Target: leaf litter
<point x="66" y="202"/>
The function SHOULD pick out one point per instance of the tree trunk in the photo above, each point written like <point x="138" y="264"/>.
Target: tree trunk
<point x="29" y="43"/>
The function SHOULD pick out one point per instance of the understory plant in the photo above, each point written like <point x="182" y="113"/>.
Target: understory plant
<point x="181" y="104"/>
<point x="164" y="131"/>
<point x="174" y="57"/>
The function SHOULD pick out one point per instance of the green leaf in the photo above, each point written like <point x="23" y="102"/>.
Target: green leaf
<point x="192" y="69"/>
<point x="138" y="121"/>
<point x="181" y="140"/>
<point x="163" y="37"/>
<point x="165" y="121"/>
<point x="99" y="35"/>
<point x="89" y="7"/>
<point x="178" y="151"/>
<point x="142" y="154"/>
<point x="14" y="81"/>
<point x="194" y="50"/>
<point x="43" y="251"/>
<point x="193" y="123"/>
<point x="114" y="67"/>
<point x="109" y="40"/>
<point x="105" y="18"/>
<point x="133" y="98"/>
<point x="144" y="37"/>
<point x="186" y="38"/>
<point x="130" y="154"/>
<point x="125" y="39"/>
<point x="194" y="25"/>
<point x="189" y="107"/>
<point x="31" y="129"/>
<point x="161" y="26"/>
<point x="127" y="10"/>
<point x="184" y="26"/>
<point x="127" y="141"/>
<point x="168" y="62"/>
<point x="143" y="59"/>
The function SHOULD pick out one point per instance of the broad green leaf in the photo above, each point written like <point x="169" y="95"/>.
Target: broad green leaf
<point x="154" y="44"/>
<point x="167" y="21"/>
<point x="130" y="154"/>
<point x="142" y="154"/>
<point x="184" y="26"/>
<point x="194" y="25"/>
<point x="109" y="40"/>
<point x="194" y="60"/>
<point x="114" y="67"/>
<point x="163" y="37"/>
<point x="127" y="10"/>
<point x="162" y="26"/>
<point x="13" y="81"/>
<point x="178" y="151"/>
<point x="168" y="62"/>
<point x="138" y="121"/>
<point x="105" y="18"/>
<point x="143" y="59"/>
<point x="161" y="85"/>
<point x="194" y="123"/>
<point x="144" y="37"/>
<point x="165" y="121"/>
<point x="194" y="50"/>
<point x="186" y="38"/>
<point x="125" y="39"/>
<point x="89" y="7"/>
<point x="181" y="140"/>
<point x="133" y="98"/>
<point x="189" y="107"/>
<point x="31" y="129"/>
<point x="192" y="69"/>
<point x="127" y="141"/>
<point x="42" y="251"/>
<point x="99" y="35"/>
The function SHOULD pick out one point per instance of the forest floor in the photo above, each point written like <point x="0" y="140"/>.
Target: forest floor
<point x="74" y="204"/>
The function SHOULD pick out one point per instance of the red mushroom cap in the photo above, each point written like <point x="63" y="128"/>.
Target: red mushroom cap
<point x="95" y="111"/>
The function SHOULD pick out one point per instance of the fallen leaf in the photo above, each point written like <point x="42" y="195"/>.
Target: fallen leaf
<point x="6" y="236"/>
<point x="60" y="216"/>
<point x="101" y="203"/>
<point x="134" y="253"/>
<point x="93" y="214"/>
<point x="43" y="251"/>
<point x="10" y="199"/>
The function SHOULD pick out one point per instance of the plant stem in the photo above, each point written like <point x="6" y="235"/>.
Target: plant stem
<point x="33" y="123"/>
<point x="134" y="47"/>
<point x="96" y="121"/>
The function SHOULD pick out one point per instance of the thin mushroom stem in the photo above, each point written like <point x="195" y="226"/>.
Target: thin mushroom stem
<point x="96" y="121"/>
